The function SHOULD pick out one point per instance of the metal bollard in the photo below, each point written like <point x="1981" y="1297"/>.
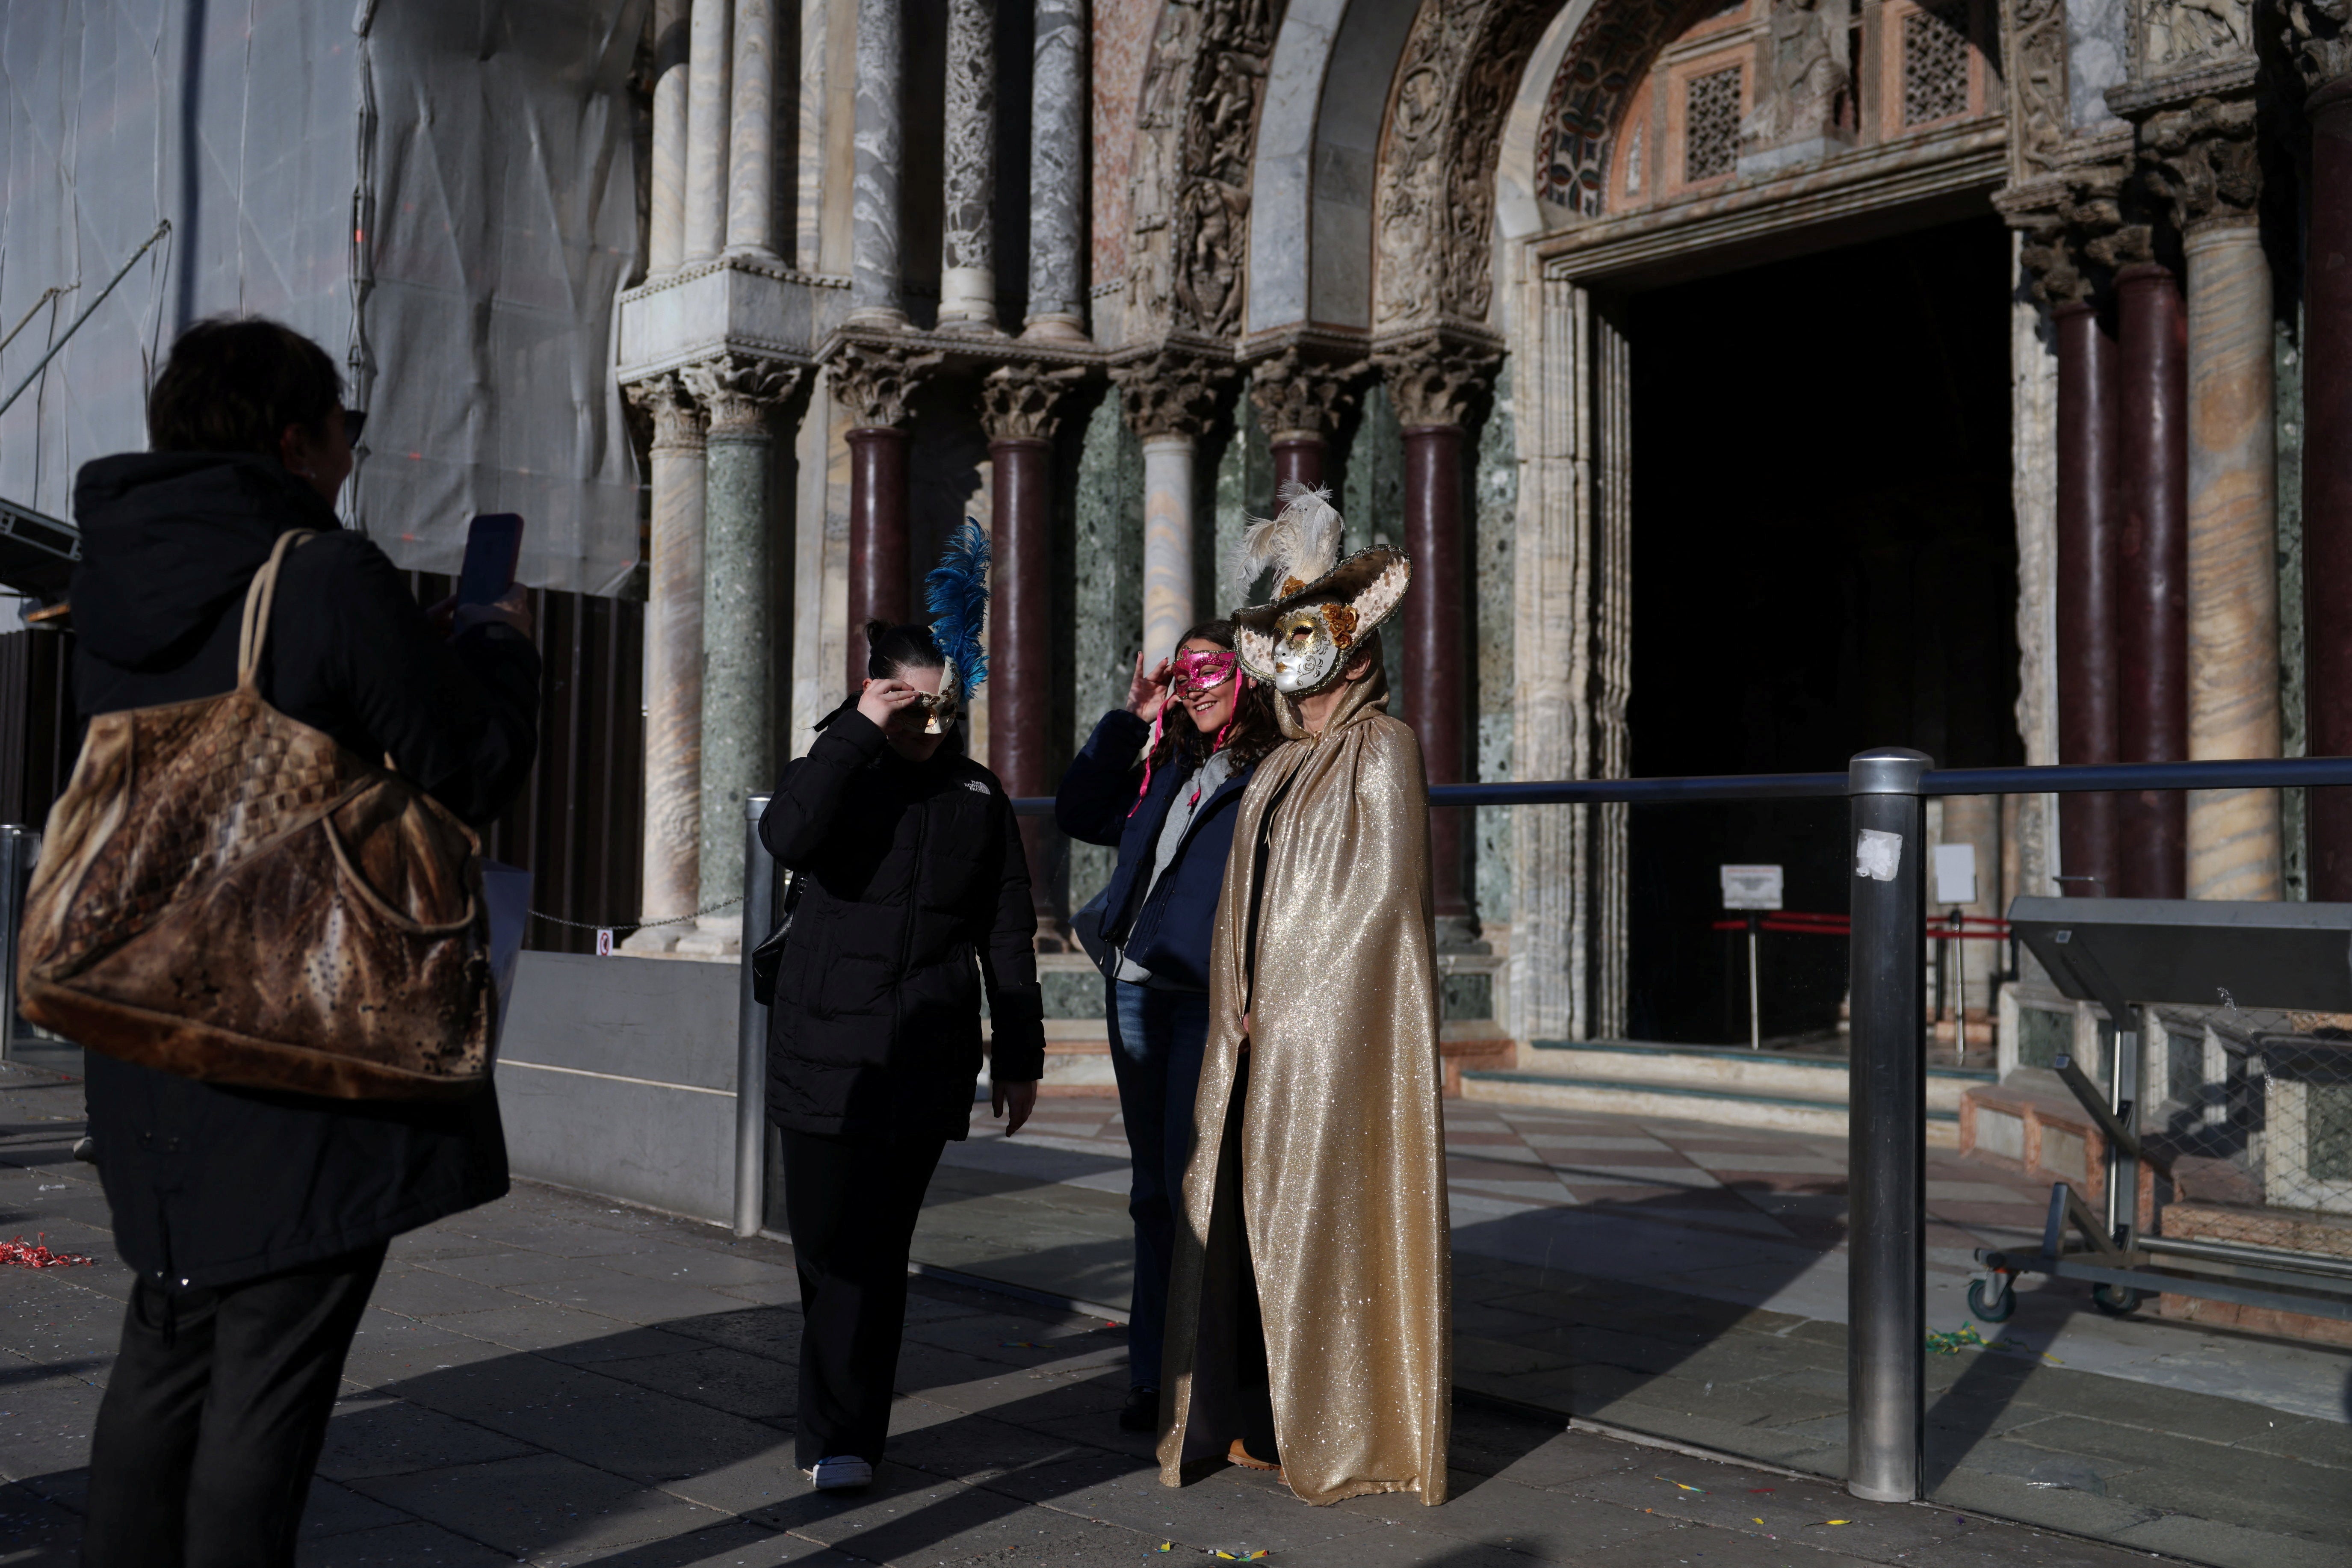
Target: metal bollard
<point x="751" y="1034"/>
<point x="1887" y="1112"/>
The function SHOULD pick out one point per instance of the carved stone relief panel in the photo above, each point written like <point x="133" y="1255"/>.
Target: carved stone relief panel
<point x="1435" y="209"/>
<point x="2175" y="36"/>
<point x="1190" y="194"/>
<point x="2033" y="36"/>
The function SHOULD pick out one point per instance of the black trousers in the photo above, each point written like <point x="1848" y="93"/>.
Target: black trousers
<point x="214" y="1417"/>
<point x="852" y="1204"/>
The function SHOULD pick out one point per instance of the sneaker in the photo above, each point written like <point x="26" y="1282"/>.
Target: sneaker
<point x="1141" y="1411"/>
<point x="842" y="1473"/>
<point x="86" y="1151"/>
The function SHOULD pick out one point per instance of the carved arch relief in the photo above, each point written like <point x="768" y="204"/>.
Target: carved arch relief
<point x="1189" y="210"/>
<point x="1454" y="86"/>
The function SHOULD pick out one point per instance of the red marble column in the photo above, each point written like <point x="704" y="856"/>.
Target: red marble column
<point x="877" y="535"/>
<point x="1437" y="695"/>
<point x="1020" y="644"/>
<point x="2151" y="574"/>
<point x="1300" y="459"/>
<point x="2327" y="481"/>
<point x="2086" y="592"/>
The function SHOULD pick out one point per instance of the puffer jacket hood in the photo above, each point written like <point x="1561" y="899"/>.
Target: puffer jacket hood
<point x="168" y="538"/>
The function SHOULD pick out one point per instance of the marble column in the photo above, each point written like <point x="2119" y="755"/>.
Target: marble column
<point x="2151" y="574"/>
<point x="751" y="141"/>
<point x="1019" y="413"/>
<point x="665" y="238"/>
<point x="2234" y="849"/>
<point x="1300" y="402"/>
<point x="740" y="642"/>
<point x="1437" y="384"/>
<point x="707" y="109"/>
<point x="673" y="832"/>
<point x="872" y="383"/>
<point x="1169" y="398"/>
<point x="2087" y="847"/>
<point x="1436" y="669"/>
<point x="874" y="266"/>
<point x="968" y="225"/>
<point x="1168" y="462"/>
<point x="1057" y="175"/>
<point x="2327" y="479"/>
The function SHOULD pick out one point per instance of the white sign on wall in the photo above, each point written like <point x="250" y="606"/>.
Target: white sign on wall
<point x="1956" y="874"/>
<point x="1751" y="887"/>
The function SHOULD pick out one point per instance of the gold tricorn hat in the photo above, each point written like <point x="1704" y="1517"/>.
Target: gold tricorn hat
<point x="1316" y="594"/>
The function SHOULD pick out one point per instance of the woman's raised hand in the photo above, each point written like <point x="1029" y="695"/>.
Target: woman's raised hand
<point x="883" y="698"/>
<point x="1147" y="694"/>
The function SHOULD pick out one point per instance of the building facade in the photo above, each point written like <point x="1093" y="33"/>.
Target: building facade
<point x="1750" y="382"/>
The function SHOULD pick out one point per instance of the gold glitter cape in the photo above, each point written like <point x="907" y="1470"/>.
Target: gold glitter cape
<point x="1341" y="1145"/>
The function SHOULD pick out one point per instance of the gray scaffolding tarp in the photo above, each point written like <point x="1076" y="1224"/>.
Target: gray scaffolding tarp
<point x="444" y="195"/>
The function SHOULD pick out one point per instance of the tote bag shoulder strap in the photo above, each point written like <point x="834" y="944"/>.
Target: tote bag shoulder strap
<point x="255" y="628"/>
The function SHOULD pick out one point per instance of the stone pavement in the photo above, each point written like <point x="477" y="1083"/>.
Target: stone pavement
<point x="555" y="1380"/>
<point x="1687" y="1281"/>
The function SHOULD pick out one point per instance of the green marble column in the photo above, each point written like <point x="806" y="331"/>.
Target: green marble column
<point x="740" y="641"/>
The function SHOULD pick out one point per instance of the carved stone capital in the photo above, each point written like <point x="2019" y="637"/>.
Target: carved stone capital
<point x="1172" y="392"/>
<point x="1301" y="396"/>
<point x="739" y="390"/>
<point x="873" y="381"/>
<point x="2317" y="37"/>
<point x="1437" y="380"/>
<point x="2076" y="229"/>
<point x="2203" y="161"/>
<point x="676" y="417"/>
<point x="1021" y="401"/>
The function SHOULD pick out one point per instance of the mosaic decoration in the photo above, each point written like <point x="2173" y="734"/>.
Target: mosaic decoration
<point x="1934" y="67"/>
<point x="1603" y="65"/>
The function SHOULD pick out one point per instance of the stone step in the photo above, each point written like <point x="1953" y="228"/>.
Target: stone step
<point x="1731" y="1068"/>
<point x="1682" y="1103"/>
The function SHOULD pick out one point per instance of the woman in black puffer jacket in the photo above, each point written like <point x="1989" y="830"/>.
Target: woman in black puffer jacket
<point x="911" y="892"/>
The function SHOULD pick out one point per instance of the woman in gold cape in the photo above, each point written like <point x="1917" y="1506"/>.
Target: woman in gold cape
<point x="1336" y="1155"/>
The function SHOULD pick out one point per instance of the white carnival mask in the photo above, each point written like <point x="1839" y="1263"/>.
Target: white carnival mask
<point x="1303" y="653"/>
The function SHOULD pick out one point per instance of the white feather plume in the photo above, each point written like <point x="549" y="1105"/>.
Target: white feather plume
<point x="1301" y="540"/>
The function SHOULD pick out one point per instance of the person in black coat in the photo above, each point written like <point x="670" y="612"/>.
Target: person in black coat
<point x="910" y="896"/>
<point x="1166" y="793"/>
<point x="257" y="1222"/>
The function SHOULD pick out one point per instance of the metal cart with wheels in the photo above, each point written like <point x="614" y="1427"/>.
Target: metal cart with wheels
<point x="2122" y="952"/>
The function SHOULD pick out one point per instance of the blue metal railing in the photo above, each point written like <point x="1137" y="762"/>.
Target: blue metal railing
<point x="2277" y="773"/>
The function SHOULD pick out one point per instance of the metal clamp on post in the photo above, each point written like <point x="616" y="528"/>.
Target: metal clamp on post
<point x="751" y="1038"/>
<point x="1886" y="1308"/>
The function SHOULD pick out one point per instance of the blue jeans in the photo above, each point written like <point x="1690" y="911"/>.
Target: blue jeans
<point x="1156" y="1039"/>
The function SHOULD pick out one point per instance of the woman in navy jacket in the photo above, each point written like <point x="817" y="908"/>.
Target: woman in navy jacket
<point x="1162" y="779"/>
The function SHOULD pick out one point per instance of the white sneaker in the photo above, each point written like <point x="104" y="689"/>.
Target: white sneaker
<point x="842" y="1473"/>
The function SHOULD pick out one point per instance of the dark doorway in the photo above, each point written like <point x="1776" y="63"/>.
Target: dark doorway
<point x="1824" y="559"/>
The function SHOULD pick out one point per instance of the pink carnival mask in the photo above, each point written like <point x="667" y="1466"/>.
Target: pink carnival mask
<point x="1198" y="670"/>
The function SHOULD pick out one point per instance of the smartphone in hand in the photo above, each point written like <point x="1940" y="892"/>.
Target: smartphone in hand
<point x="493" y="551"/>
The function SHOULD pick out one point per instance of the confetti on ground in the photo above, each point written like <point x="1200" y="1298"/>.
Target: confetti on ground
<point x="1165" y="1546"/>
<point x="1837" y="1521"/>
<point x="1960" y="1339"/>
<point x="1024" y="1345"/>
<point x="1701" y="1490"/>
<point x="1242" y="1557"/>
<point x="33" y="1254"/>
<point x="1757" y="1491"/>
<point x="1752" y="1520"/>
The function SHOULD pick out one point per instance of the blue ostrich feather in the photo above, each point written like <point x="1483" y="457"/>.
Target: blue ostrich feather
<point x="956" y="591"/>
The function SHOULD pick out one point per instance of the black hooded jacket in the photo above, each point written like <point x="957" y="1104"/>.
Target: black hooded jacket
<point x="211" y="1185"/>
<point x="913" y="888"/>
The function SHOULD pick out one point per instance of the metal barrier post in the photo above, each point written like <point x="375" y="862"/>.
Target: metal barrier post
<point x="19" y="847"/>
<point x="751" y="1034"/>
<point x="1886" y="1262"/>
